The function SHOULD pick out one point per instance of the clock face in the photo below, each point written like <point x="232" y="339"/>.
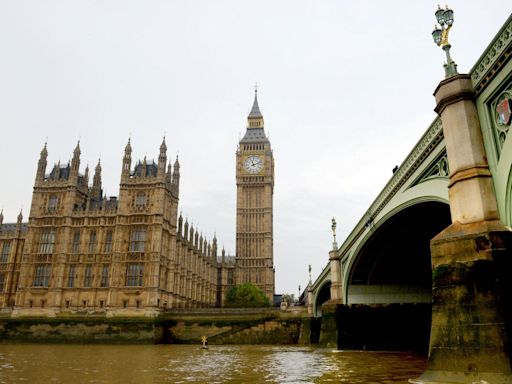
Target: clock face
<point x="253" y="164"/>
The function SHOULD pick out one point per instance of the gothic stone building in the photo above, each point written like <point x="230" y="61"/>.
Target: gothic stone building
<point x="254" y="208"/>
<point x="132" y="254"/>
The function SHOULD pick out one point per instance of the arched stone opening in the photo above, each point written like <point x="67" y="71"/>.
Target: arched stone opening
<point x="324" y="294"/>
<point x="389" y="290"/>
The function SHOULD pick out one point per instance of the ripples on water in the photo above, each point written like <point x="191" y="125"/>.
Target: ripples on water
<point x="22" y="363"/>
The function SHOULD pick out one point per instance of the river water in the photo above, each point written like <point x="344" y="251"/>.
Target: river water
<point x="43" y="363"/>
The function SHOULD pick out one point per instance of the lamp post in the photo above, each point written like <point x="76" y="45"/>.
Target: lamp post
<point x="440" y="35"/>
<point x="333" y="227"/>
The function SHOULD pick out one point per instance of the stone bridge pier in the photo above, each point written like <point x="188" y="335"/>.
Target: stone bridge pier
<point x="471" y="259"/>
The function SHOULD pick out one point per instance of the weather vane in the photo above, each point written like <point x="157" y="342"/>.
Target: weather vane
<point x="440" y="35"/>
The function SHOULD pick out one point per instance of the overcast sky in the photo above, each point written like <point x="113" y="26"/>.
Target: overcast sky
<point x="345" y="88"/>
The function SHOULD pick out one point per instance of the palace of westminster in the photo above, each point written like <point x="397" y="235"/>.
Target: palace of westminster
<point x="133" y="254"/>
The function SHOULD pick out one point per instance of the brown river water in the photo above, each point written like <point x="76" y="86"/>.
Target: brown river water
<point x="50" y="363"/>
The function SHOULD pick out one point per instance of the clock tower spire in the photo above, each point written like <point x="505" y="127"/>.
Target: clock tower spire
<point x="254" y="214"/>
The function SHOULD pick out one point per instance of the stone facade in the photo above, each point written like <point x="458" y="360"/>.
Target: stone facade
<point x="254" y="213"/>
<point x="12" y="240"/>
<point x="132" y="254"/>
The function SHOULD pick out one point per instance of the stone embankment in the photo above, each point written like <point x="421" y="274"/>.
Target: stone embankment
<point x="186" y="326"/>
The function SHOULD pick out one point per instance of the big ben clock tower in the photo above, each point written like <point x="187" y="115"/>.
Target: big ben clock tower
<point x="254" y="207"/>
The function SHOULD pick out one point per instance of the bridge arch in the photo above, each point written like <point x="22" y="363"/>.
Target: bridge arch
<point x="354" y="255"/>
<point x="388" y="282"/>
<point x="322" y="295"/>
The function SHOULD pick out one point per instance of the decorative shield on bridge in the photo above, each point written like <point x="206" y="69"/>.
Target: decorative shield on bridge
<point x="503" y="109"/>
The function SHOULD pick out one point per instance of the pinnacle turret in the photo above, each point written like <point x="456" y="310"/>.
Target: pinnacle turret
<point x="163" y="146"/>
<point x="77" y="152"/>
<point x="191" y="238"/>
<point x="185" y="229"/>
<point x="96" y="191"/>
<point x="128" y="148"/>
<point x="176" y="177"/>
<point x="41" y="165"/>
<point x="98" y="168"/>
<point x="162" y="158"/>
<point x="75" y="161"/>
<point x="180" y="225"/>
<point x="44" y="151"/>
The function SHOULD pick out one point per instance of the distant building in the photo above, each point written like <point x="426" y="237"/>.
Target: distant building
<point x="133" y="254"/>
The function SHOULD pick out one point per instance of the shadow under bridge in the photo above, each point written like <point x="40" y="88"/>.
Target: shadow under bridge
<point x="389" y="287"/>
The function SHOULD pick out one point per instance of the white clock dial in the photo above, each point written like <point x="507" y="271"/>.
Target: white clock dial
<point x="253" y="164"/>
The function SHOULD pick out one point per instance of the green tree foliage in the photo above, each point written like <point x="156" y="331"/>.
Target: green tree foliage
<point x="289" y="298"/>
<point x="246" y="295"/>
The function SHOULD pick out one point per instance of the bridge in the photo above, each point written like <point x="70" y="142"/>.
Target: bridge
<point x="380" y="278"/>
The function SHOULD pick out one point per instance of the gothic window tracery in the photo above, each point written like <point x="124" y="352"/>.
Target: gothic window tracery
<point x="92" y="242"/>
<point x="42" y="275"/>
<point x="88" y="276"/>
<point x="53" y="202"/>
<point x="47" y="241"/>
<point x="104" y="276"/>
<point x="138" y="240"/>
<point x="140" y="200"/>
<point x="134" y="274"/>
<point x="71" y="276"/>
<point x="5" y="252"/>
<point x="75" y="248"/>
<point x="108" y="242"/>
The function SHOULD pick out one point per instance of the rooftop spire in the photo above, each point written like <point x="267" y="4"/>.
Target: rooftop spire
<point x="44" y="151"/>
<point x="255" y="125"/>
<point x="128" y="148"/>
<point x="76" y="152"/>
<point x="255" y="111"/>
<point x="163" y="146"/>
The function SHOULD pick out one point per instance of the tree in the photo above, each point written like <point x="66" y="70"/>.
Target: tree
<point x="289" y="298"/>
<point x="246" y="295"/>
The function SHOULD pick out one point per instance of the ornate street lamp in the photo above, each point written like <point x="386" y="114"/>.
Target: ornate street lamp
<point x="440" y="35"/>
<point x="333" y="227"/>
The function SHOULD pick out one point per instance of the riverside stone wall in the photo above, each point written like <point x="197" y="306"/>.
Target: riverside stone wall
<point x="252" y="326"/>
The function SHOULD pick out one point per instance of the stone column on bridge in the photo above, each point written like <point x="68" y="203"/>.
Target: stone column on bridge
<point x="471" y="259"/>
<point x="331" y="308"/>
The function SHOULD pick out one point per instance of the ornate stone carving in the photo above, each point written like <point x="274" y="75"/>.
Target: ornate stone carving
<point x="492" y="59"/>
<point x="438" y="168"/>
<point x="501" y="118"/>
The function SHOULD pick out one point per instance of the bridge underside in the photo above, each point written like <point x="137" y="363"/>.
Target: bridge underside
<point x="389" y="289"/>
